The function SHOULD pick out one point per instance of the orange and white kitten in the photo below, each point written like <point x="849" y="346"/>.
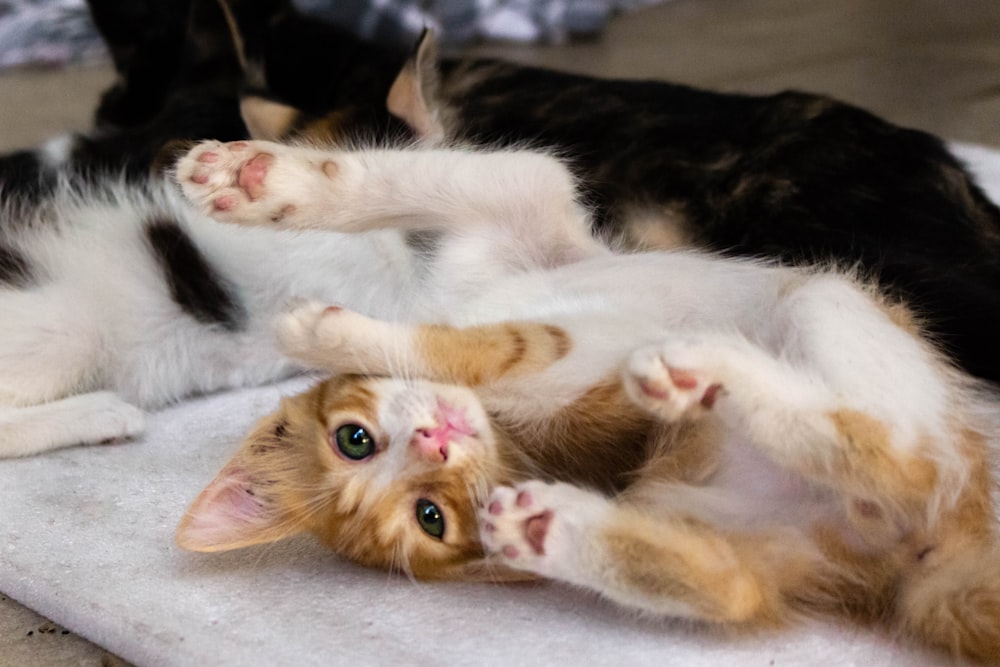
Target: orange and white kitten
<point x="722" y="440"/>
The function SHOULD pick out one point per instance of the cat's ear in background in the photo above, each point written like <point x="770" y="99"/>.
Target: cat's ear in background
<point x="268" y="120"/>
<point x="413" y="97"/>
<point x="235" y="510"/>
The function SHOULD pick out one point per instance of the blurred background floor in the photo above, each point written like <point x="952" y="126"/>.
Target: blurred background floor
<point x="929" y="64"/>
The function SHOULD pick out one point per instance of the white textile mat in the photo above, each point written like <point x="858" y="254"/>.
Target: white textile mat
<point x="86" y="538"/>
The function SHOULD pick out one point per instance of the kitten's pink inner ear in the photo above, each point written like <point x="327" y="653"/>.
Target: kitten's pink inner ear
<point x="227" y="515"/>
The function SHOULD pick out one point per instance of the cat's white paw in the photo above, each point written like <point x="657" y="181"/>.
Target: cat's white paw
<point x="85" y="419"/>
<point x="112" y="419"/>
<point x="331" y="337"/>
<point x="673" y="380"/>
<point x="250" y="182"/>
<point x="541" y="528"/>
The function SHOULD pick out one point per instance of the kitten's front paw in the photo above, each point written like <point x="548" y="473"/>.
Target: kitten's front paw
<point x="108" y="419"/>
<point x="330" y="337"/>
<point x="539" y="527"/>
<point x="251" y="182"/>
<point x="671" y="380"/>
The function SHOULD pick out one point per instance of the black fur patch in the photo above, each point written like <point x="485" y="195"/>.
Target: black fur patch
<point x="22" y="176"/>
<point x="194" y="284"/>
<point x="15" y="271"/>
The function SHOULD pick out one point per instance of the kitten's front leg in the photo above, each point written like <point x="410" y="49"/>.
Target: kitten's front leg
<point x="343" y="341"/>
<point x="664" y="565"/>
<point x="82" y="419"/>
<point x="524" y="201"/>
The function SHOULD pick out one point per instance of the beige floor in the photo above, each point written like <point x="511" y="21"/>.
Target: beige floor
<point x="923" y="63"/>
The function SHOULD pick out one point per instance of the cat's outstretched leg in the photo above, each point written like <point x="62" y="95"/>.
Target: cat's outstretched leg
<point x="78" y="420"/>
<point x="908" y="487"/>
<point x="525" y="199"/>
<point x="664" y="565"/>
<point x="344" y="341"/>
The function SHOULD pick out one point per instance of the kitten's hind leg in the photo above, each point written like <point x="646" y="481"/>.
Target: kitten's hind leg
<point x="78" y="420"/>
<point x="793" y="416"/>
<point x="665" y="565"/>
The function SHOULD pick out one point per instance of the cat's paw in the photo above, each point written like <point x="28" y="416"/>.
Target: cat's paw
<point x="113" y="420"/>
<point x="541" y="528"/>
<point x="673" y="380"/>
<point x="251" y="182"/>
<point x="331" y="337"/>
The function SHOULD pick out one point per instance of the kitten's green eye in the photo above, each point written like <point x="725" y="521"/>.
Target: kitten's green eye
<point x="430" y="518"/>
<point x="354" y="442"/>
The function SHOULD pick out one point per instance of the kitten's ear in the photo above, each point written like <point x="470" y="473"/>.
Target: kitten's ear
<point x="268" y="120"/>
<point x="235" y="510"/>
<point x="413" y="97"/>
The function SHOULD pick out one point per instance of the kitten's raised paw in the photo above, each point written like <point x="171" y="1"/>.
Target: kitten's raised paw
<point x="671" y="381"/>
<point x="250" y="182"/>
<point x="332" y="337"/>
<point x="540" y="527"/>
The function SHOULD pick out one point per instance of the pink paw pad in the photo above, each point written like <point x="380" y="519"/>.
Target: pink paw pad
<point x="518" y="513"/>
<point x="536" y="528"/>
<point x="224" y="203"/>
<point x="251" y="175"/>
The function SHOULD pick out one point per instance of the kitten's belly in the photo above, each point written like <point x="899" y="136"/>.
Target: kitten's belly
<point x="755" y="492"/>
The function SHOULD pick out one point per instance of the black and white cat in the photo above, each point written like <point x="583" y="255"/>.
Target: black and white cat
<point x="117" y="297"/>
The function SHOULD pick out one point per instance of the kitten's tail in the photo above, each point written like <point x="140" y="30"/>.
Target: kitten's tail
<point x="955" y="604"/>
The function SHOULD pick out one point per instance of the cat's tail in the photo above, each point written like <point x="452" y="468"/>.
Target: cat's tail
<point x="955" y="603"/>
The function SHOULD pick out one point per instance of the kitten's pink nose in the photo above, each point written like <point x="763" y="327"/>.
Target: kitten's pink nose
<point x="432" y="443"/>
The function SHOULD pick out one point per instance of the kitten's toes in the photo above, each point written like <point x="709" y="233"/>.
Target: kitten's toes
<point x="538" y="527"/>
<point x="122" y="422"/>
<point x="670" y="382"/>
<point x="105" y="418"/>
<point x="230" y="181"/>
<point x="331" y="337"/>
<point x="299" y="330"/>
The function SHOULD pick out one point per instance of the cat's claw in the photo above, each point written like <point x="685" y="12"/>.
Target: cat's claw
<point x="671" y="381"/>
<point x="539" y="527"/>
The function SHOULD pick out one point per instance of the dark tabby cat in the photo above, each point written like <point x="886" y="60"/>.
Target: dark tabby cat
<point x="792" y="175"/>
